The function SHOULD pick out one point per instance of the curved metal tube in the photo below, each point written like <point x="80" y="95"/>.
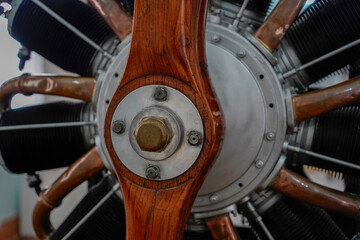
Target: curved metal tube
<point x="114" y="15"/>
<point x="300" y="188"/>
<point x="74" y="87"/>
<point x="83" y="169"/>
<point x="314" y="103"/>
<point x="277" y="24"/>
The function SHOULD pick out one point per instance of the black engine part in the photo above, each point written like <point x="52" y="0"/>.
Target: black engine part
<point x="323" y="27"/>
<point x="40" y="32"/>
<point x="337" y="134"/>
<point x="32" y="150"/>
<point x="106" y="222"/>
<point x="128" y="5"/>
<point x="261" y="7"/>
<point x="291" y="219"/>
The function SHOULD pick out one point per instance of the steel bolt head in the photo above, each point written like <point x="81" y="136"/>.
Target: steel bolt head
<point x="118" y="127"/>
<point x="259" y="163"/>
<point x="214" y="198"/>
<point x="215" y="39"/>
<point x="160" y="94"/>
<point x="270" y="136"/>
<point x="152" y="172"/>
<point x="194" y="138"/>
<point x="241" y="54"/>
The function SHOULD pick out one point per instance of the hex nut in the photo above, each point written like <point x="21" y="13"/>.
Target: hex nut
<point x="160" y="94"/>
<point x="194" y="138"/>
<point x="118" y="127"/>
<point x="152" y="172"/>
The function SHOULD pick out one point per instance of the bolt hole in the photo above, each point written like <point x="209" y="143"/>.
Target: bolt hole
<point x="240" y="185"/>
<point x="116" y="75"/>
<point x="271" y="105"/>
<point x="107" y="101"/>
<point x="261" y="76"/>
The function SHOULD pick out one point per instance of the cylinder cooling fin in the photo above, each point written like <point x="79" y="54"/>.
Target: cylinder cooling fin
<point x="324" y="27"/>
<point x="31" y="150"/>
<point x="40" y="32"/>
<point x="291" y="219"/>
<point x="337" y="135"/>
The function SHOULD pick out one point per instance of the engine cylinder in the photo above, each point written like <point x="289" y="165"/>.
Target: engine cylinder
<point x="291" y="219"/>
<point x="323" y="27"/>
<point x="32" y="150"/>
<point x="337" y="135"/>
<point x="40" y="32"/>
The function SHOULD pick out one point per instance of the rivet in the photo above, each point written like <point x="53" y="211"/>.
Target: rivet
<point x="214" y="198"/>
<point x="215" y="39"/>
<point x="241" y="54"/>
<point x="259" y="163"/>
<point x="270" y="136"/>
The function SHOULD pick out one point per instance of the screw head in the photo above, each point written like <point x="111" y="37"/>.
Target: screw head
<point x="152" y="172"/>
<point x="215" y="39"/>
<point x="214" y="198"/>
<point x="259" y="163"/>
<point x="270" y="136"/>
<point x="241" y="54"/>
<point x="118" y="127"/>
<point x="194" y="138"/>
<point x="160" y="94"/>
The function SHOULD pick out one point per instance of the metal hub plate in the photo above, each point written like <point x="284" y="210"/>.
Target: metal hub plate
<point x="251" y="99"/>
<point x="178" y="111"/>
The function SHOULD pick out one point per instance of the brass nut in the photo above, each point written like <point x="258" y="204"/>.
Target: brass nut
<point x="152" y="134"/>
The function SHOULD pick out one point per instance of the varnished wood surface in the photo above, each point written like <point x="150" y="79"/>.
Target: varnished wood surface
<point x="277" y="24"/>
<point x="81" y="170"/>
<point x="302" y="189"/>
<point x="222" y="228"/>
<point x="74" y="87"/>
<point x="167" y="48"/>
<point x="114" y="15"/>
<point x="317" y="102"/>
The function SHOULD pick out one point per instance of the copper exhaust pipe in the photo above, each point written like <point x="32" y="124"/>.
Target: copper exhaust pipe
<point x="317" y="102"/>
<point x="222" y="228"/>
<point x="114" y="15"/>
<point x="74" y="87"/>
<point x="80" y="171"/>
<point x="300" y="188"/>
<point x="278" y="23"/>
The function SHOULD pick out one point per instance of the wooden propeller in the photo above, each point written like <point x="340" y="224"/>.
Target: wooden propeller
<point x="167" y="48"/>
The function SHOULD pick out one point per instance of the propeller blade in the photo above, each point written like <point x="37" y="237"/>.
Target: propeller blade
<point x="317" y="102"/>
<point x="277" y="24"/>
<point x="114" y="15"/>
<point x="168" y="49"/>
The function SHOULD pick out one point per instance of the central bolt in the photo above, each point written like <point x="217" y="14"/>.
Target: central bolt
<point x="152" y="134"/>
